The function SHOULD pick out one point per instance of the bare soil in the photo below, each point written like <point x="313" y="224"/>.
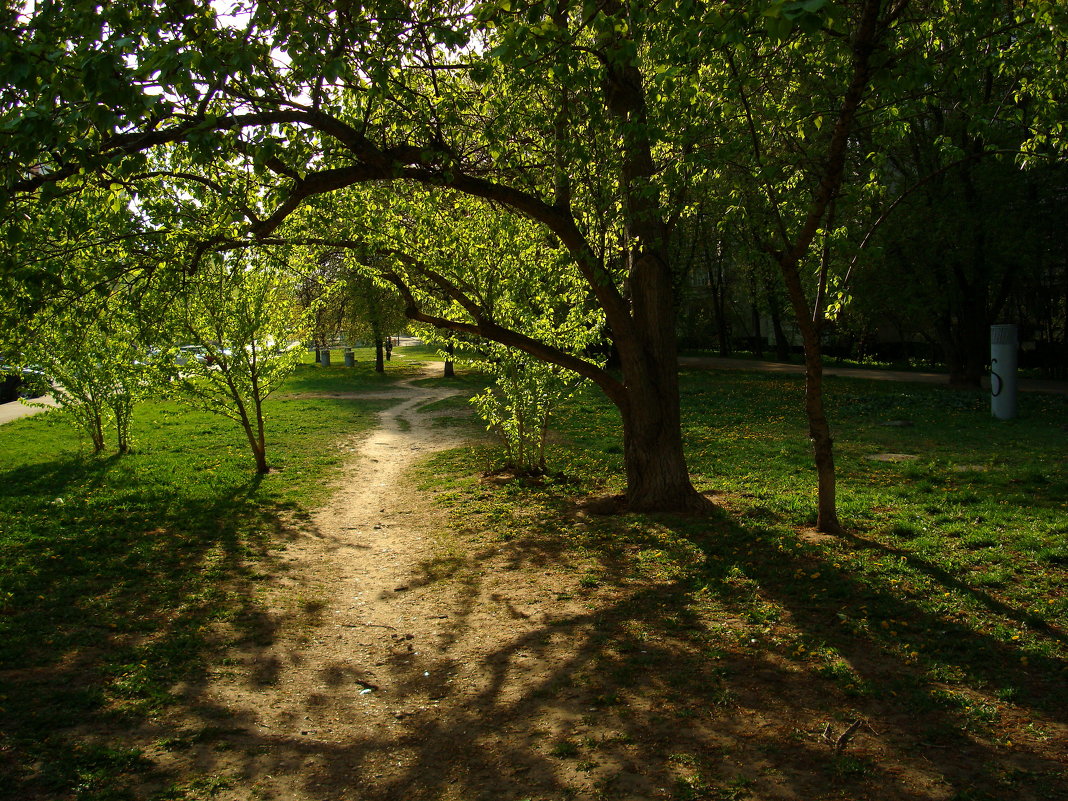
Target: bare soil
<point x="394" y="662"/>
<point x="385" y="666"/>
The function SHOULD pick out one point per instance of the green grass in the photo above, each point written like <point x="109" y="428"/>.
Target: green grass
<point x="310" y="377"/>
<point x="116" y="574"/>
<point x="945" y="603"/>
<point x="946" y="599"/>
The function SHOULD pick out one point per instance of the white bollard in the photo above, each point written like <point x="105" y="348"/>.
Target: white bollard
<point x="1003" y="347"/>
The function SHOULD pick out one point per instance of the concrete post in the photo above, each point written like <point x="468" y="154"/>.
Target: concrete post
<point x="1003" y="354"/>
<point x="324" y="357"/>
<point x="350" y="358"/>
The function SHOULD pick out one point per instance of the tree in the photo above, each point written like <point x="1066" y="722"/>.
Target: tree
<point x="793" y="166"/>
<point x="968" y="244"/>
<point x="319" y="293"/>
<point x="518" y="408"/>
<point x="80" y="301"/>
<point x="224" y="94"/>
<point x="594" y="120"/>
<point x="98" y="364"/>
<point x="972" y="189"/>
<point x="813" y="138"/>
<point x="374" y="311"/>
<point x="243" y="312"/>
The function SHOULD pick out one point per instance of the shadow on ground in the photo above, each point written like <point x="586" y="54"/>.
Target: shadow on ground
<point x="621" y="658"/>
<point x="679" y="660"/>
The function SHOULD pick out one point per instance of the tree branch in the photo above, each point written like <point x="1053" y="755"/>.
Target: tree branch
<point x="487" y="329"/>
<point x="482" y="326"/>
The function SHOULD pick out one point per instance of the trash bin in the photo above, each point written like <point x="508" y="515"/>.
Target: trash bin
<point x="324" y="357"/>
<point x="1004" y="344"/>
<point x="350" y="358"/>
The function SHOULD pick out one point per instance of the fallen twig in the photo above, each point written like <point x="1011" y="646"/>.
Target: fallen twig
<point x="366" y="625"/>
<point x="846" y="736"/>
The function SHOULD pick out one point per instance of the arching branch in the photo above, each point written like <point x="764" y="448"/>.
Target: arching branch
<point x="483" y="325"/>
<point x="488" y="329"/>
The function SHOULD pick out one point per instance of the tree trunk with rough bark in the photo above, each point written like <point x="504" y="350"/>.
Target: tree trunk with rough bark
<point x="256" y="439"/>
<point x="810" y="318"/>
<point x="965" y="359"/>
<point x="380" y="364"/>
<point x="758" y="337"/>
<point x="450" y="370"/>
<point x="658" y="479"/>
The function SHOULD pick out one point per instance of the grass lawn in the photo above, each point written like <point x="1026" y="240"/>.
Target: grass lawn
<point x="936" y="630"/>
<point x="117" y="573"/>
<point x="922" y="656"/>
<point x="870" y="363"/>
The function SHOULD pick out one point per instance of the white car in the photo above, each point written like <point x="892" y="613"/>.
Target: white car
<point x="186" y="353"/>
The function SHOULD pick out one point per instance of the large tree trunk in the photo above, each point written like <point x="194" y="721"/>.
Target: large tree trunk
<point x="966" y="370"/>
<point x="657" y="477"/>
<point x="964" y="346"/>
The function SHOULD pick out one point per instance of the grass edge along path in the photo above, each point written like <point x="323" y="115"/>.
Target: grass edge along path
<point x="118" y="576"/>
<point x="935" y="634"/>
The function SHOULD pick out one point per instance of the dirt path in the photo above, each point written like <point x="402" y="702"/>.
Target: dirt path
<point x="317" y="699"/>
<point x="368" y="679"/>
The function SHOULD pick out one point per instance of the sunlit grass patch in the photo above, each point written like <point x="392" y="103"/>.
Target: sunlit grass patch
<point x="948" y="585"/>
<point x="117" y="573"/>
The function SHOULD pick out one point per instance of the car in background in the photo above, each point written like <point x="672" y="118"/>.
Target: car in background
<point x="22" y="382"/>
<point x="188" y="353"/>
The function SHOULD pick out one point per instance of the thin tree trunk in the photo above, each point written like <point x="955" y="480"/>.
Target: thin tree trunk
<point x="782" y="343"/>
<point x="96" y="432"/>
<point x="380" y="365"/>
<point x="450" y="371"/>
<point x="722" y="329"/>
<point x="259" y="452"/>
<point x="122" y="413"/>
<point x="261" y="437"/>
<point x="810" y="319"/>
<point x="758" y="338"/>
<point x="819" y="431"/>
<point x="255" y="439"/>
<point x="1061" y="370"/>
